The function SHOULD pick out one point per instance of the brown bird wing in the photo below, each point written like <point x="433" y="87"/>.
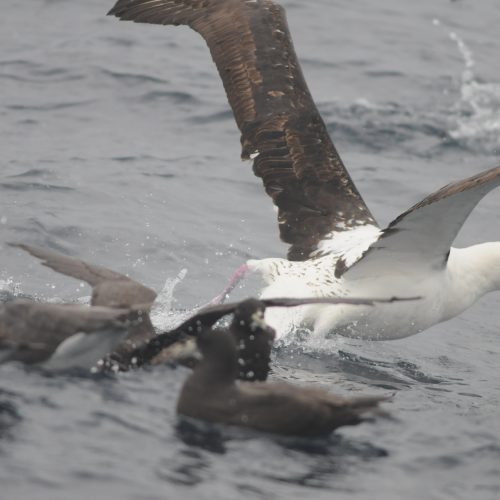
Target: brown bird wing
<point x="281" y="128"/>
<point x="290" y="409"/>
<point x="109" y="287"/>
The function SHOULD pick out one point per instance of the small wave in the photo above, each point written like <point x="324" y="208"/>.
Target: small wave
<point x="35" y="72"/>
<point x="54" y="106"/>
<point x="133" y="78"/>
<point x="378" y="127"/>
<point x="175" y="96"/>
<point x="33" y="186"/>
<point x="489" y="453"/>
<point x="219" y="116"/>
<point x="33" y="172"/>
<point x="9" y="416"/>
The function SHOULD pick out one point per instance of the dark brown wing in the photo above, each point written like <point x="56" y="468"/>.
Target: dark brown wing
<point x="110" y="288"/>
<point x="289" y="409"/>
<point x="281" y="128"/>
<point x="70" y="266"/>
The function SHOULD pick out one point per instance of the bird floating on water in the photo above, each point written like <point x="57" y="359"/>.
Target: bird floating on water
<point x="336" y="246"/>
<point x="211" y="393"/>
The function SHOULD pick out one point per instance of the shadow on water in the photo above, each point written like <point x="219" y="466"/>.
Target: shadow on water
<point x="351" y="362"/>
<point x="324" y="459"/>
<point x="202" y="435"/>
<point x="9" y="414"/>
<point x="391" y="375"/>
<point x="319" y="458"/>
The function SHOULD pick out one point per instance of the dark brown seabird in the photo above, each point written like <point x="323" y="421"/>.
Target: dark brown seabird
<point x="60" y="337"/>
<point x="109" y="289"/>
<point x="336" y="246"/>
<point x="211" y="393"/>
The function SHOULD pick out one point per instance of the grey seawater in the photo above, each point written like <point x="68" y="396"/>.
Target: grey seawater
<point x="118" y="146"/>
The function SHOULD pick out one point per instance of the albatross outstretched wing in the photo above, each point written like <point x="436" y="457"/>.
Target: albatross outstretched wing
<point x="281" y="128"/>
<point x="421" y="238"/>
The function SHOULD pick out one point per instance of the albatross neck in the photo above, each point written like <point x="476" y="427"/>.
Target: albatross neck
<point x="473" y="272"/>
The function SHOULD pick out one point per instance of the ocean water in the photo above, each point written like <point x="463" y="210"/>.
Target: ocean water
<point x="118" y="146"/>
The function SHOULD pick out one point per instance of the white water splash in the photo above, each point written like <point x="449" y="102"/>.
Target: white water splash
<point x="162" y="315"/>
<point x="477" y="112"/>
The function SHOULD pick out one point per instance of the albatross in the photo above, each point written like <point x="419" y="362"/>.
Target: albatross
<point x="336" y="246"/>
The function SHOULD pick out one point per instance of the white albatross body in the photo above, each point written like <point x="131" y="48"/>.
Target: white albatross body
<point x="442" y="294"/>
<point x="336" y="246"/>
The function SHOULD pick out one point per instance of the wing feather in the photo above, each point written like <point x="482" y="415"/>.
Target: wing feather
<point x="109" y="288"/>
<point x="281" y="128"/>
<point x="421" y="237"/>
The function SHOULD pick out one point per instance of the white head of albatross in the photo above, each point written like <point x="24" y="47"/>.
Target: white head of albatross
<point x="336" y="246"/>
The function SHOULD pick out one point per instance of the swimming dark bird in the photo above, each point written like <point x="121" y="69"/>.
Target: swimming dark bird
<point x="109" y="289"/>
<point x="60" y="337"/>
<point x="336" y="246"/>
<point x="211" y="393"/>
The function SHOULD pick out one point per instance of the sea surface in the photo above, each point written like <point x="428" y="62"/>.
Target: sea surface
<point x="118" y="146"/>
